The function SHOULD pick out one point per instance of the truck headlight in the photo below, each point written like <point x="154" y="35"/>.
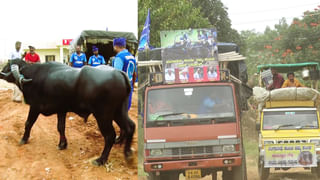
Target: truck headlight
<point x="315" y="141"/>
<point x="228" y="148"/>
<point x="156" y="152"/>
<point x="268" y="142"/>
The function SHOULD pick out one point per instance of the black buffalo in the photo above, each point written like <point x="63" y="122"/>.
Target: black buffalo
<point x="54" y="88"/>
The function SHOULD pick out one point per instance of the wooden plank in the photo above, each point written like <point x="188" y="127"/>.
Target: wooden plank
<point x="233" y="59"/>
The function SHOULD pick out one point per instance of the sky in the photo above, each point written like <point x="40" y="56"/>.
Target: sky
<point x="54" y="20"/>
<point x="258" y="14"/>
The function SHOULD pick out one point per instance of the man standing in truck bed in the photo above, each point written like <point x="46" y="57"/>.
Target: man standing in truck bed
<point x="277" y="80"/>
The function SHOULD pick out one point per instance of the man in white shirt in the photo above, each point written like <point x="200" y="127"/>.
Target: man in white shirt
<point x="17" y="54"/>
<point x="170" y="76"/>
<point x="184" y="75"/>
<point x="212" y="73"/>
<point x="197" y="75"/>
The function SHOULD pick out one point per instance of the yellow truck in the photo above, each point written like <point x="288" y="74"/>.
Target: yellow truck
<point x="289" y="132"/>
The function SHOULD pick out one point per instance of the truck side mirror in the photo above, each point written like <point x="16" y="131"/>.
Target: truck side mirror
<point x="258" y="126"/>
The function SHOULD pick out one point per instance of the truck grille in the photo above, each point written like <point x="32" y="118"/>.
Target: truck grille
<point x="291" y="141"/>
<point x="189" y="149"/>
<point x="196" y="150"/>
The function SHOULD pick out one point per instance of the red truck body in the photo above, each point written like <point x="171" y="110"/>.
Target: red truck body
<point x="194" y="146"/>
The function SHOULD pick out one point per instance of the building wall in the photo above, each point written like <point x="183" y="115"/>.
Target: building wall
<point x="55" y="52"/>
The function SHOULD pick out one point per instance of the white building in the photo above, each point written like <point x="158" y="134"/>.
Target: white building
<point x="50" y="51"/>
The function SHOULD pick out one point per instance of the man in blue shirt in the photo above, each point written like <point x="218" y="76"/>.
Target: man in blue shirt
<point x="78" y="59"/>
<point x="96" y="59"/>
<point x="125" y="61"/>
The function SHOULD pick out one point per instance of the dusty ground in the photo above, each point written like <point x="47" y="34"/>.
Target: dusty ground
<point x="40" y="158"/>
<point x="251" y="149"/>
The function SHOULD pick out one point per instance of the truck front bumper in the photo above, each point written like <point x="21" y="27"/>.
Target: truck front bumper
<point x="192" y="164"/>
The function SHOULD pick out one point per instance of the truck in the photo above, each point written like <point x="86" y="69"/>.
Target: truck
<point x="104" y="41"/>
<point x="288" y="123"/>
<point x="194" y="128"/>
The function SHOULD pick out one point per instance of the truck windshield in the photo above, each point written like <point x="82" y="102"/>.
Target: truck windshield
<point x="190" y="105"/>
<point x="275" y="120"/>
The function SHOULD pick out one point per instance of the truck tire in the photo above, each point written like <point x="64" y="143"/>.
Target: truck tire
<point x="316" y="171"/>
<point x="164" y="176"/>
<point x="227" y="175"/>
<point x="240" y="172"/>
<point x="153" y="176"/>
<point x="263" y="172"/>
<point x="214" y="175"/>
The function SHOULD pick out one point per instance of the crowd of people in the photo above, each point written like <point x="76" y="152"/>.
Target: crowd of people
<point x="123" y="61"/>
<point x="279" y="82"/>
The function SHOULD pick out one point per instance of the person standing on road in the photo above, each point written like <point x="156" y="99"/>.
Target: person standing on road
<point x="78" y="58"/>
<point x="277" y="80"/>
<point x="96" y="59"/>
<point x="32" y="57"/>
<point x="17" y="54"/>
<point x="125" y="61"/>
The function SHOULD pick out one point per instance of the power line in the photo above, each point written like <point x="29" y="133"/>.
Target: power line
<point x="268" y="20"/>
<point x="274" y="9"/>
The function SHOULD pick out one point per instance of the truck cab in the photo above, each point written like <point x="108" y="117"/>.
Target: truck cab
<point x="104" y="41"/>
<point x="288" y="125"/>
<point x="192" y="129"/>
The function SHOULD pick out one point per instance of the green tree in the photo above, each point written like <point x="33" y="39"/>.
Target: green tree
<point x="169" y="15"/>
<point x="217" y="14"/>
<point x="296" y="42"/>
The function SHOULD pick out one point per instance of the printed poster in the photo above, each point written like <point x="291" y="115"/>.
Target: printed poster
<point x="290" y="155"/>
<point x="190" y="55"/>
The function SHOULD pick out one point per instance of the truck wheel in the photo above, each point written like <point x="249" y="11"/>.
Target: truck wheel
<point x="173" y="176"/>
<point x="214" y="175"/>
<point x="316" y="171"/>
<point x="153" y="176"/>
<point x="227" y="175"/>
<point x="239" y="172"/>
<point x="263" y="172"/>
<point x="164" y="176"/>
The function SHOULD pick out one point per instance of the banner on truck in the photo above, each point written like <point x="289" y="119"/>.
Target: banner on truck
<point x="190" y="55"/>
<point x="290" y="155"/>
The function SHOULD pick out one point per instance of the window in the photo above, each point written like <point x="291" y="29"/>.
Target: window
<point x="183" y="104"/>
<point x="50" y="58"/>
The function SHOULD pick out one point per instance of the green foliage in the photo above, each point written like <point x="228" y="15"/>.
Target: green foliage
<point x="286" y="43"/>
<point x="169" y="15"/>
<point x="185" y="14"/>
<point x="217" y="14"/>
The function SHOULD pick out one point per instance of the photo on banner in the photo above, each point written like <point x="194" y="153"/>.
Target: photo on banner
<point x="192" y="54"/>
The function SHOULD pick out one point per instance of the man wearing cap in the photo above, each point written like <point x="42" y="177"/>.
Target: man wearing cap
<point x="125" y="61"/>
<point x="96" y="59"/>
<point x="78" y="59"/>
<point x="32" y="57"/>
<point x="17" y="54"/>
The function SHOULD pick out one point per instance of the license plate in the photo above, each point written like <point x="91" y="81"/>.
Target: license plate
<point x="193" y="174"/>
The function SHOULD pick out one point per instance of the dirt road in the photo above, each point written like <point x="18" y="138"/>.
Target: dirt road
<point x="251" y="148"/>
<point x="40" y="158"/>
